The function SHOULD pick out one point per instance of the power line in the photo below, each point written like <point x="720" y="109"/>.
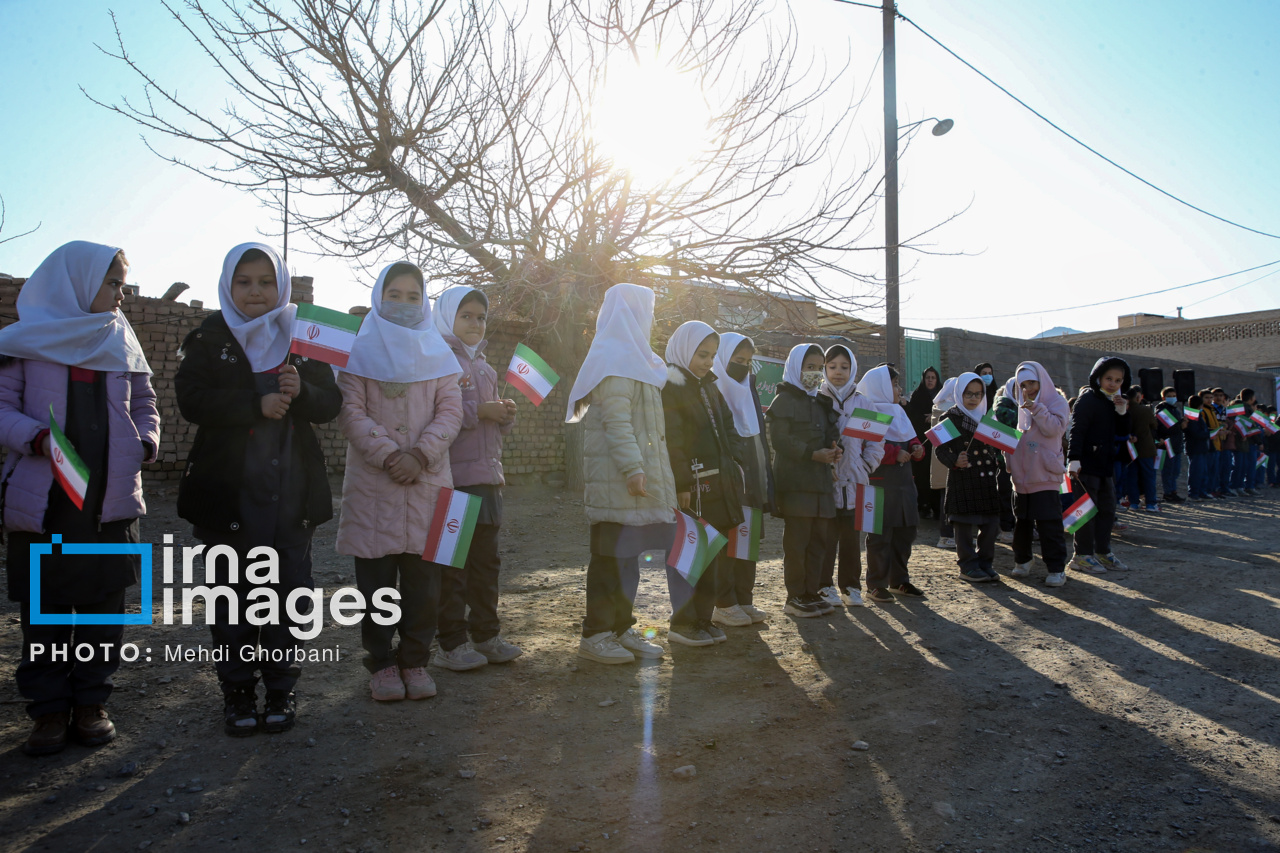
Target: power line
<point x="1237" y="287"/>
<point x="1121" y="299"/>
<point x="1074" y="139"/>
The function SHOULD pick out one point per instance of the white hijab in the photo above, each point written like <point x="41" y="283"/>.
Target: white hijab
<point x="792" y="371"/>
<point x="1048" y="395"/>
<point x="54" y="321"/>
<point x="843" y="396"/>
<point x="877" y="387"/>
<point x="266" y="339"/>
<point x="957" y="397"/>
<point x="746" y="414"/>
<point x="388" y="352"/>
<point x="685" y="340"/>
<point x="942" y="400"/>
<point x="620" y="347"/>
<point x="446" y="313"/>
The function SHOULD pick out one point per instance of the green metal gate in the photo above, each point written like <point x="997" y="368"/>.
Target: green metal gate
<point x="922" y="352"/>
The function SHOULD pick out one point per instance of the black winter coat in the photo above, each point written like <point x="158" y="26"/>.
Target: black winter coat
<point x="1175" y="433"/>
<point x="800" y="425"/>
<point x="972" y="490"/>
<point x="1095" y="429"/>
<point x="1197" y="437"/>
<point x="216" y="391"/>
<point x="700" y="431"/>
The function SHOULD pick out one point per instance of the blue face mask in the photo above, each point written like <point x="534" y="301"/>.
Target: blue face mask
<point x="1171" y="400"/>
<point x="986" y="378"/>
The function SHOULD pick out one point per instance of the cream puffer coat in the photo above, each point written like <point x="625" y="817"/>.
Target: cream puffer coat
<point x="380" y="516"/>
<point x="625" y="434"/>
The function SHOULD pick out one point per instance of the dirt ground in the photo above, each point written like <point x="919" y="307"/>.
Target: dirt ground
<point x="1131" y="712"/>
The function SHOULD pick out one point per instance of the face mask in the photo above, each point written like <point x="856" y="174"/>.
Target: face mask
<point x="401" y="313"/>
<point x="811" y="379"/>
<point x="1171" y="400"/>
<point x="986" y="378"/>
<point x="738" y="372"/>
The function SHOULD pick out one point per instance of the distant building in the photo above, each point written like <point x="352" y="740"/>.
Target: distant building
<point x="1238" y="341"/>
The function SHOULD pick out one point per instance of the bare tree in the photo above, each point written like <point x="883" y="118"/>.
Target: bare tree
<point x="15" y="236"/>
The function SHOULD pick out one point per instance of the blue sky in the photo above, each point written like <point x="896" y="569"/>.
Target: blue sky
<point x="1179" y="92"/>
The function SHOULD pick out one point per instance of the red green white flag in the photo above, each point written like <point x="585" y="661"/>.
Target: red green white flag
<point x="1079" y="514"/>
<point x="531" y="376"/>
<point x="695" y="546"/>
<point x="1064" y="488"/>
<point x="991" y="431"/>
<point x="1192" y="414"/>
<point x="1235" y="410"/>
<point x="744" y="541"/>
<point x="1263" y="460"/>
<point x="324" y="334"/>
<point x="1161" y="456"/>
<point x="1166" y="417"/>
<point x="867" y="425"/>
<point x="868" y="515"/>
<point x="452" y="526"/>
<point x="1168" y="446"/>
<point x="945" y="430"/>
<point x="68" y="468"/>
<point x="1131" y="450"/>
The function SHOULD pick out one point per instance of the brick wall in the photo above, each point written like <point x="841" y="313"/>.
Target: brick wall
<point x="1239" y="342"/>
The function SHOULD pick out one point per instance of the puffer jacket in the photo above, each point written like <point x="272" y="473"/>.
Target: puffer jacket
<point x="1037" y="464"/>
<point x="476" y="455"/>
<point x="380" y="516"/>
<point x="860" y="458"/>
<point x="1096" y="427"/>
<point x="27" y="389"/>
<point x="625" y="434"/>
<point x="799" y="426"/>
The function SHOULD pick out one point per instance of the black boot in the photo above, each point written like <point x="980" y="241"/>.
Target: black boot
<point x="240" y="711"/>
<point x="279" y="712"/>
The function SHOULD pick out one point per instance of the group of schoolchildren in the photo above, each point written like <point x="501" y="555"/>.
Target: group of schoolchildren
<point x="419" y="406"/>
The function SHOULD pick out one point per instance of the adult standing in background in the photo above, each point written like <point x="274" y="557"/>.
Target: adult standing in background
<point x="918" y="409"/>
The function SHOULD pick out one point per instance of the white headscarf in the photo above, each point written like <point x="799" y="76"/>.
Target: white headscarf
<point x="746" y="414"/>
<point x="877" y="387"/>
<point x="266" y="339"/>
<point x="388" y="352"/>
<point x="54" y="321"/>
<point x="1048" y="395"/>
<point x="1009" y="385"/>
<point x="842" y="396"/>
<point x="942" y="400"/>
<point x="962" y="382"/>
<point x="792" y="371"/>
<point x="685" y="340"/>
<point x="620" y="347"/>
<point x="446" y="313"/>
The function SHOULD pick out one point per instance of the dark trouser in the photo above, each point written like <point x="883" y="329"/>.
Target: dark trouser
<point x="738" y="583"/>
<point x="1169" y="474"/>
<point x="55" y="680"/>
<point x="887" y="557"/>
<point x="273" y="650"/>
<point x="1141" y="477"/>
<point x="976" y="545"/>
<point x="1246" y="461"/>
<point x="844" y="539"/>
<point x="1226" y="459"/>
<point x="1004" y="489"/>
<point x="945" y="530"/>
<point x="690" y="604"/>
<point x="419" y="583"/>
<point x="1095" y="536"/>
<point x="804" y="544"/>
<point x="612" y="583"/>
<point x="475" y="587"/>
<point x="1053" y="542"/>
<point x="1198" y="477"/>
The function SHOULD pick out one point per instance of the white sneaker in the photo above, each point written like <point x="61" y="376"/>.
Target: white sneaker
<point x="852" y="597"/>
<point x="1055" y="579"/>
<point x="603" y="648"/>
<point x="1021" y="570"/>
<point x="461" y="659"/>
<point x="498" y="650"/>
<point x="830" y="595"/>
<point x="1006" y="536"/>
<point x="757" y="615"/>
<point x="946" y="542"/>
<point x="730" y="617"/>
<point x="634" y="642"/>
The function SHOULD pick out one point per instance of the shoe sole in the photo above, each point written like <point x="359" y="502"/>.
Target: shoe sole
<point x="277" y="728"/>
<point x="1055" y="585"/>
<point x="502" y="658"/>
<point x="605" y="660"/>
<point x="681" y="640"/>
<point x="93" y="741"/>
<point x="239" y="731"/>
<point x="726" y="624"/>
<point x="888" y="600"/>
<point x="416" y="696"/>
<point x="801" y="614"/>
<point x="963" y="576"/>
<point x="658" y="655"/>
<point x="911" y="594"/>
<point x="1017" y="574"/>
<point x="48" y="749"/>
<point x="389" y="698"/>
<point x="436" y="662"/>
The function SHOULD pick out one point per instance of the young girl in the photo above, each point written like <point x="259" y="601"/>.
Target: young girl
<point x="734" y="603"/>
<point x="461" y="316"/>
<point x="706" y="455"/>
<point x="401" y="410"/>
<point x="973" y="498"/>
<point x="937" y="471"/>
<point x="889" y="551"/>
<point x="256" y="474"/>
<point x="72" y="351"/>
<point x="802" y="428"/>
<point x="630" y="493"/>
<point x="1036" y="467"/>
<point x="1099" y="420"/>
<point x="858" y="460"/>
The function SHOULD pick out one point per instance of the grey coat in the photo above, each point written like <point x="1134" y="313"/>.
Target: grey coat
<point x="625" y="435"/>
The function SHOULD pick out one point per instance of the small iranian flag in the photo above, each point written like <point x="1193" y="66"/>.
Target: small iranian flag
<point x="1268" y="427"/>
<point x="991" y="431"/>
<point x="1263" y="460"/>
<point x="531" y="375"/>
<point x="695" y="546"/>
<point x="68" y="467"/>
<point x="943" y="432"/>
<point x="1079" y="514"/>
<point x="1131" y="450"/>
<point x="1192" y="414"/>
<point x="452" y="527"/>
<point x="1168" y="446"/>
<point x="324" y="334"/>
<point x="1259" y="418"/>
<point x="1064" y="488"/>
<point x="868" y="514"/>
<point x="1241" y="428"/>
<point x="1166" y="417"/>
<point x="867" y="425"/>
<point x="744" y="544"/>
<point x="1161" y="456"/>
<point x="1235" y="410"/>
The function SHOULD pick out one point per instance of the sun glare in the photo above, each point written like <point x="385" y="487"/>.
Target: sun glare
<point x="650" y="121"/>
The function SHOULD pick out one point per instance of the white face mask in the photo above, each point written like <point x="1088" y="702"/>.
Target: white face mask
<point x="401" y="313"/>
<point x="811" y="379"/>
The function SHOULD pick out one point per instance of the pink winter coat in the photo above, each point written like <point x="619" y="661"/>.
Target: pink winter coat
<point x="476" y="457"/>
<point x="27" y="389"/>
<point x="380" y="516"/>
<point x="1037" y="464"/>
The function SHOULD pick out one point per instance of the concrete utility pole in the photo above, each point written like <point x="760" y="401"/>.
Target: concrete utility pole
<point x="892" y="331"/>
